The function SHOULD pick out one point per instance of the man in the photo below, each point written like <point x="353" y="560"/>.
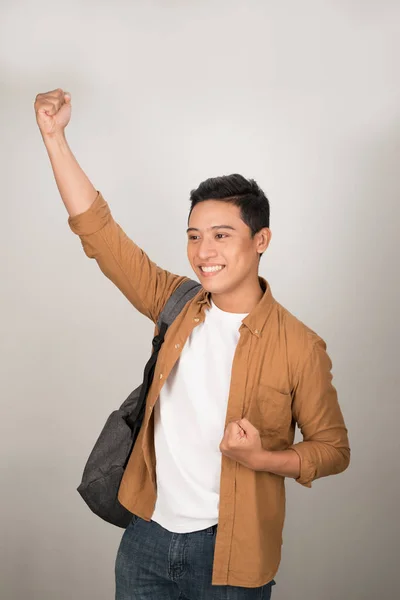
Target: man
<point x="237" y="371"/>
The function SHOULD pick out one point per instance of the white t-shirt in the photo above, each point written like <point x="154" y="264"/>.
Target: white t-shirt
<point x="189" y="423"/>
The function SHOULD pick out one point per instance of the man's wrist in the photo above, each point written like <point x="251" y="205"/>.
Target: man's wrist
<point x="56" y="141"/>
<point x="262" y="460"/>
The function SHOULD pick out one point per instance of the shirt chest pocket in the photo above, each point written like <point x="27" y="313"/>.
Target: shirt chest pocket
<point x="270" y="410"/>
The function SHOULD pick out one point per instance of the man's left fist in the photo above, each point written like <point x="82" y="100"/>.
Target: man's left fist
<point x="242" y="443"/>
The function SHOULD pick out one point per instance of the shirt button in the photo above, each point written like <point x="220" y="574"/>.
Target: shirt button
<point x="177" y="346"/>
<point x="161" y="375"/>
<point x="196" y="319"/>
<point x="256" y="331"/>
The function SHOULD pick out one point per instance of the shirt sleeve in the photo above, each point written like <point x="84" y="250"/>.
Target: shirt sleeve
<point x="144" y="284"/>
<point x="325" y="447"/>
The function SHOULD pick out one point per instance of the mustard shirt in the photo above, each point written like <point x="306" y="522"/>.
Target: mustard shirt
<point x="281" y="376"/>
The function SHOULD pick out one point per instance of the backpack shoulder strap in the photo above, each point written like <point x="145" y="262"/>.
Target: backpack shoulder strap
<point x="185" y="292"/>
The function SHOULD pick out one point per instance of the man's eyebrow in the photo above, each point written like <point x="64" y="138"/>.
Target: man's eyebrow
<point x="214" y="227"/>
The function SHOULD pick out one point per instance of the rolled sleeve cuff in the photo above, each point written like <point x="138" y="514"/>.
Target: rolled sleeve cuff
<point x="93" y="219"/>
<point x="307" y="469"/>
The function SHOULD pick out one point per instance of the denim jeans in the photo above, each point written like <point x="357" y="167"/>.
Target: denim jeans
<point x="155" y="564"/>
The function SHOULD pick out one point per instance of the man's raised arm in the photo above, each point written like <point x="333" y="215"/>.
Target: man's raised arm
<point x="146" y="285"/>
<point x="53" y="113"/>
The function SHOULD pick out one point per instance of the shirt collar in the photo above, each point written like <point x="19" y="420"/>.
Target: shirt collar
<point x="257" y="318"/>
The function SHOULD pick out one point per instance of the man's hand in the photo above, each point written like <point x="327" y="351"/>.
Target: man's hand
<point x="242" y="443"/>
<point x="53" y="112"/>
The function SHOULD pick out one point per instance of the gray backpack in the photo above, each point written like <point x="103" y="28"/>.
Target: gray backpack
<point x="107" y="461"/>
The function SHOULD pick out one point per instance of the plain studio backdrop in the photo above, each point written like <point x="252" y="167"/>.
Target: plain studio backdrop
<point x="302" y="96"/>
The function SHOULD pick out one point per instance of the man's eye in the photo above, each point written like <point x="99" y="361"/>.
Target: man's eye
<point x="223" y="235"/>
<point x="193" y="237"/>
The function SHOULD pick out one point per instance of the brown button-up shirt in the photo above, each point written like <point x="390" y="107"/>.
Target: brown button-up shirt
<point x="281" y="376"/>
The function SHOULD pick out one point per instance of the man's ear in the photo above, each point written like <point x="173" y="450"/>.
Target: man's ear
<point x="263" y="239"/>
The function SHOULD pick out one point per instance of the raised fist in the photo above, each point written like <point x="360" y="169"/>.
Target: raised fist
<point x="53" y="112"/>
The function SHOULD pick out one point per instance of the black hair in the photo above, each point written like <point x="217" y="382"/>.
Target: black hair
<point x="244" y="193"/>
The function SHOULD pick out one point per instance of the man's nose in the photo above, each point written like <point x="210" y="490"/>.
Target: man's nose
<point x="206" y="249"/>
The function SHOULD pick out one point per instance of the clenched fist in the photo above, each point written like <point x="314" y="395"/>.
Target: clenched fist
<point x="242" y="443"/>
<point x="53" y="112"/>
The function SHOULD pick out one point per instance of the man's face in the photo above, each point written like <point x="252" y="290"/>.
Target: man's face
<point x="220" y="248"/>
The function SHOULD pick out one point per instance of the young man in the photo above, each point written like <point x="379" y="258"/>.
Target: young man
<point x="237" y="371"/>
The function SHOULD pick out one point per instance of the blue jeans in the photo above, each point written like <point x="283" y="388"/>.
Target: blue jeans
<point x="155" y="564"/>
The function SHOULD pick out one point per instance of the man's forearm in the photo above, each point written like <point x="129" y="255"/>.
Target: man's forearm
<point x="76" y="190"/>
<point x="285" y="463"/>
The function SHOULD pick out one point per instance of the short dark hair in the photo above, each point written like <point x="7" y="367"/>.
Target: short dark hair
<point x="244" y="193"/>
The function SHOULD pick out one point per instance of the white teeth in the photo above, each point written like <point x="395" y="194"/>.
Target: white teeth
<point x="211" y="269"/>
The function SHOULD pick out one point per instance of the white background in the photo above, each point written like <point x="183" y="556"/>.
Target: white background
<point x="302" y="96"/>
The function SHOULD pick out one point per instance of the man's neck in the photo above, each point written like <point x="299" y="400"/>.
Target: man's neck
<point x="241" y="300"/>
